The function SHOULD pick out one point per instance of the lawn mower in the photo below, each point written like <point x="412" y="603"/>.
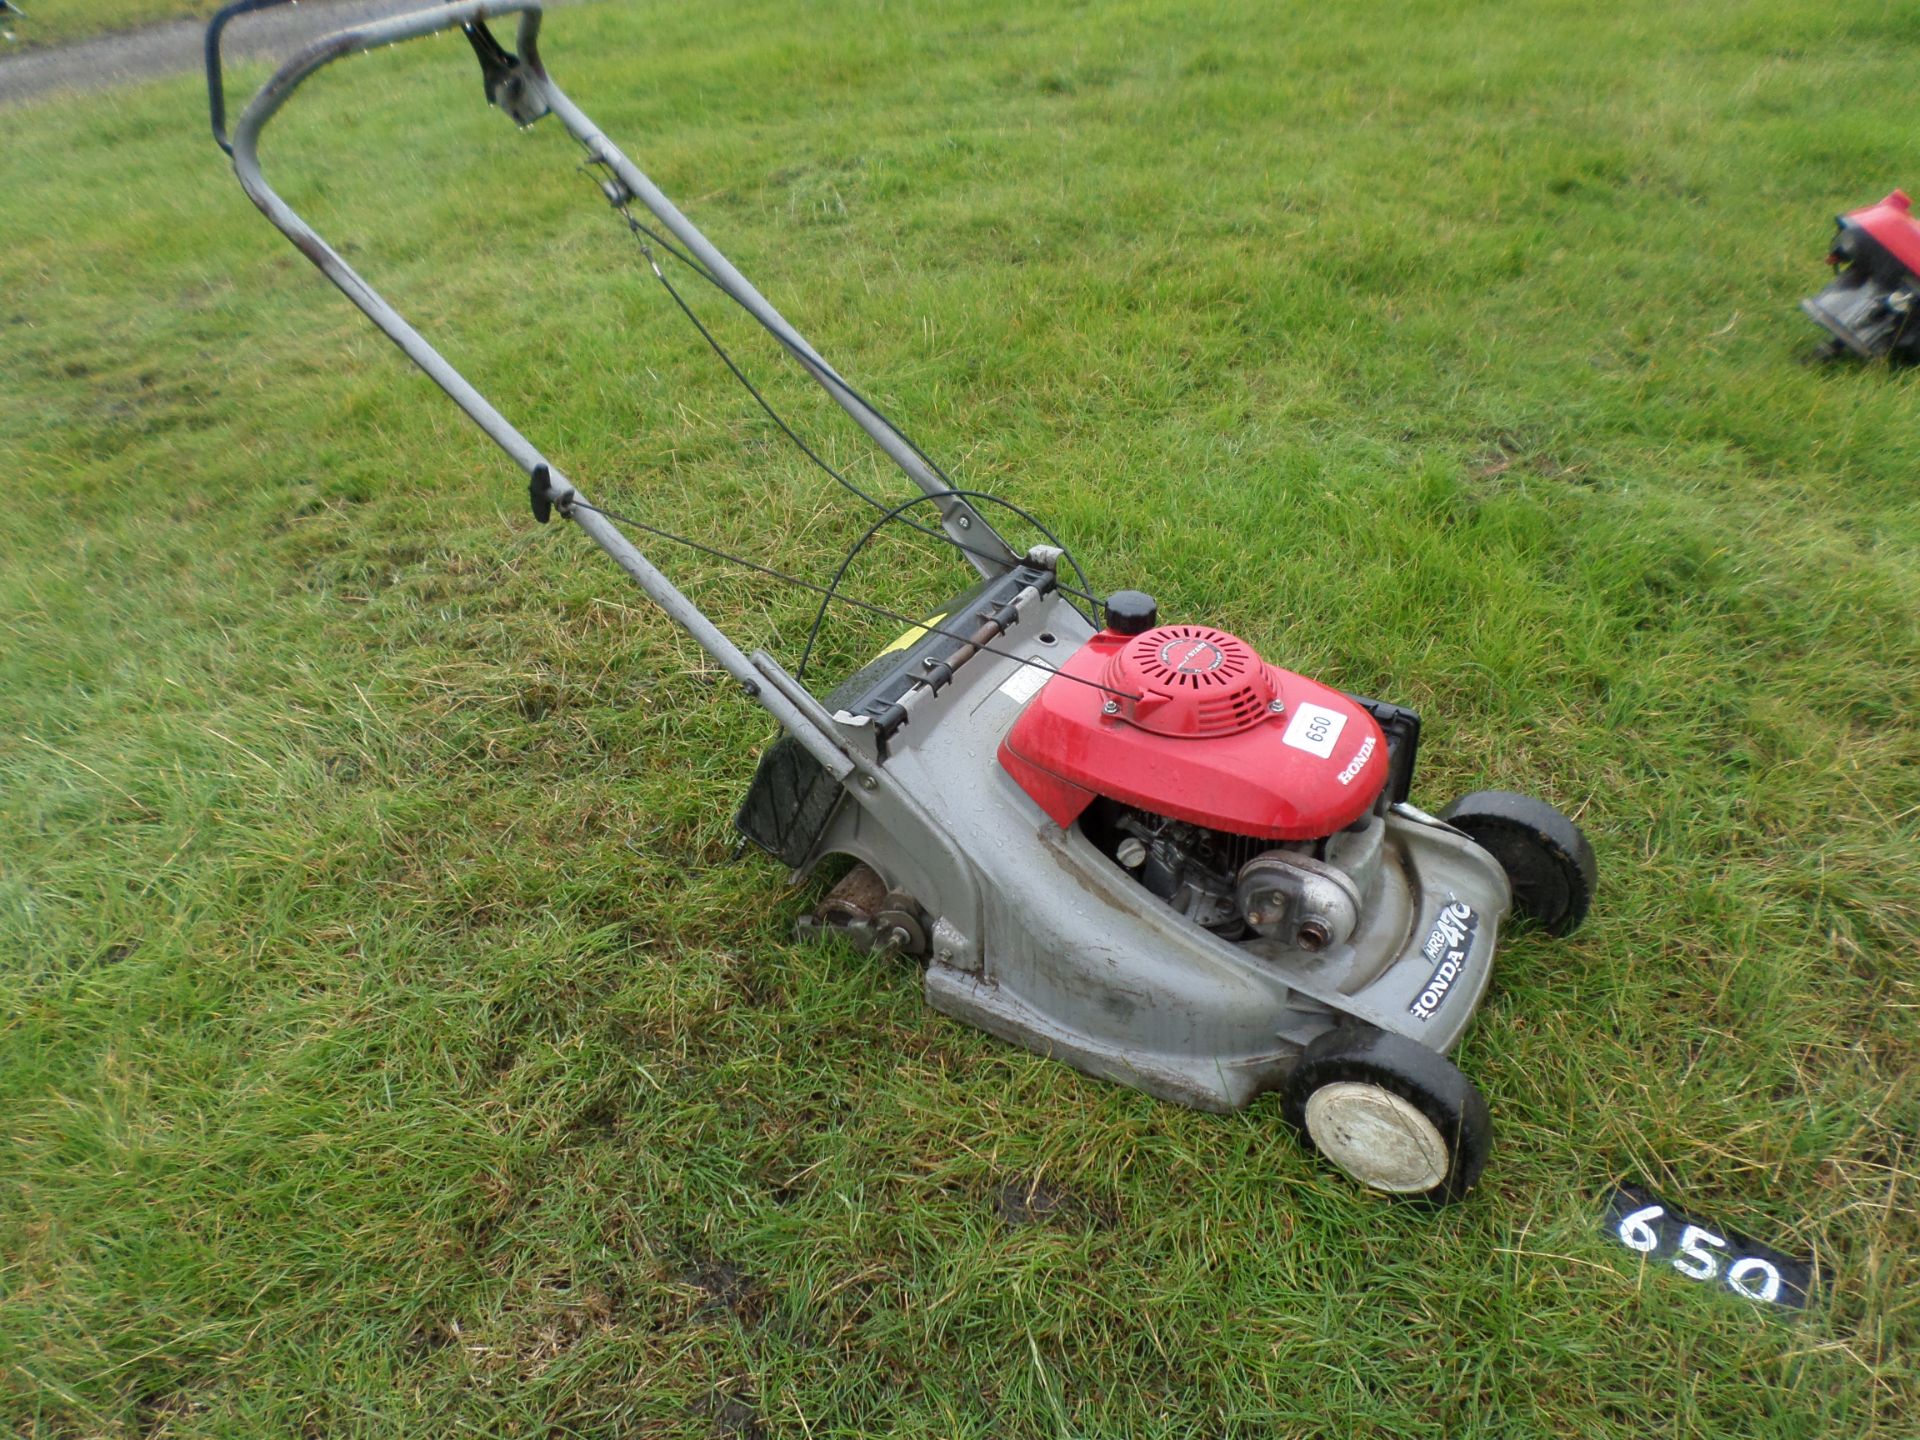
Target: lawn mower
<point x="1869" y="307"/>
<point x="1130" y="844"/>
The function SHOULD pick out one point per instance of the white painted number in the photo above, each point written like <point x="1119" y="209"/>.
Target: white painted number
<point x="1701" y="1254"/>
<point x="1636" y="1234"/>
<point x="1743" y="1272"/>
<point x="1705" y="1264"/>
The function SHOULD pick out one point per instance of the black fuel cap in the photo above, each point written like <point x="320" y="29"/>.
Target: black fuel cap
<point x="1131" y="612"/>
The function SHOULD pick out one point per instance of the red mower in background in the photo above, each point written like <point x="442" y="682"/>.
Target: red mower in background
<point x="1869" y="308"/>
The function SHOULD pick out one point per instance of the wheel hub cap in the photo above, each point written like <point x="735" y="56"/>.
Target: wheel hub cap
<point x="1383" y="1141"/>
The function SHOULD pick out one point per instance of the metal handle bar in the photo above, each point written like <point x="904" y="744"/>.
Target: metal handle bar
<point x="246" y="164"/>
<point x="521" y="87"/>
<point x="547" y="484"/>
<point x="216" y="83"/>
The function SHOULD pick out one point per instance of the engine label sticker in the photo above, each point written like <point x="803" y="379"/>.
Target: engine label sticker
<point x="1448" y="945"/>
<point x="1025" y="683"/>
<point x="1314" y="729"/>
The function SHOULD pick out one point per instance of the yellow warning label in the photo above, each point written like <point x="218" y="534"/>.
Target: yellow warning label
<point x="912" y="636"/>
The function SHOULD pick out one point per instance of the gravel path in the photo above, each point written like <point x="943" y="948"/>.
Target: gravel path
<point x="176" y="47"/>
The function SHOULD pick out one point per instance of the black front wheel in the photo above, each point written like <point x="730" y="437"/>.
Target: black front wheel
<point x="1549" y="864"/>
<point x="1391" y="1114"/>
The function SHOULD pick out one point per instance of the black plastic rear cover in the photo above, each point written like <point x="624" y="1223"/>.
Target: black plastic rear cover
<point x="789" y="804"/>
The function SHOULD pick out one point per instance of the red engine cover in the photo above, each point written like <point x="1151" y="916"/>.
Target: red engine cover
<point x="1194" y="733"/>
<point x="1891" y="222"/>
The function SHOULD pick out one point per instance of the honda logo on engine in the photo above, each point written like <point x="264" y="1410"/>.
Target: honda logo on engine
<point x="1181" y="656"/>
<point x="1355" y="765"/>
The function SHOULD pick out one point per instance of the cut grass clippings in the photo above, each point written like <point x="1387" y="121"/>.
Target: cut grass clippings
<point x="392" y="1044"/>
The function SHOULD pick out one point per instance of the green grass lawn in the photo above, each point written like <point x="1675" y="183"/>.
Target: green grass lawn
<point x="51" y="22"/>
<point x="391" y="1044"/>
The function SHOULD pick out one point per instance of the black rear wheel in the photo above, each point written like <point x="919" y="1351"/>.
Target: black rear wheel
<point x="1549" y="863"/>
<point x="1390" y="1113"/>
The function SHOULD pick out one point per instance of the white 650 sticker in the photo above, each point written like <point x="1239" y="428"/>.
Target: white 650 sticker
<point x="1314" y="729"/>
